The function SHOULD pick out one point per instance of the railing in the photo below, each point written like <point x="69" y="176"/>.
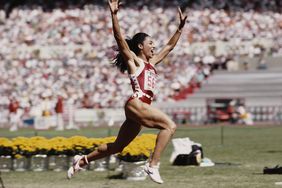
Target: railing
<point x="198" y="115"/>
<point x="266" y="113"/>
<point x="183" y="115"/>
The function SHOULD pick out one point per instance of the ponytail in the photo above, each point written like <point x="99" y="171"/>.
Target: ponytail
<point x="133" y="43"/>
<point x="119" y="62"/>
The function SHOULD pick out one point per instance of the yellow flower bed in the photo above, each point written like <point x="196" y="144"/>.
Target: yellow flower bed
<point x="140" y="147"/>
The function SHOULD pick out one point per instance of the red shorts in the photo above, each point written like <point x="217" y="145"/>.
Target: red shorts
<point x="143" y="99"/>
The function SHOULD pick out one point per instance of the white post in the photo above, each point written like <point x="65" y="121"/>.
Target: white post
<point x="70" y="108"/>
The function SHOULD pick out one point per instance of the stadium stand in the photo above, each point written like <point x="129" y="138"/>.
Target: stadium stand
<point x="63" y="48"/>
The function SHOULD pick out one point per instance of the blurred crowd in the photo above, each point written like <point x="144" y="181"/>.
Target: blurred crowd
<point x="67" y="51"/>
<point x="258" y="5"/>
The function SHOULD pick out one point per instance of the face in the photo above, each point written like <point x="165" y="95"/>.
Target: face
<point x="148" y="47"/>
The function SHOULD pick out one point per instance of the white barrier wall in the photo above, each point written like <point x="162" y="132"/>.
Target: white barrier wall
<point x="109" y="117"/>
<point x="97" y="115"/>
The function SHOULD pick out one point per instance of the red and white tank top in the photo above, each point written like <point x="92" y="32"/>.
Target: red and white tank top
<point x="143" y="82"/>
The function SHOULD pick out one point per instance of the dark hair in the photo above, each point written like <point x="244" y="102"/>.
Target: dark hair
<point x="133" y="45"/>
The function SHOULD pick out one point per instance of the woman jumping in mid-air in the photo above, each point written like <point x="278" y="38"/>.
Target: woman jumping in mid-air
<point x="137" y="56"/>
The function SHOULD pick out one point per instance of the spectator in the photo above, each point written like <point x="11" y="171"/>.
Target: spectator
<point x="244" y="116"/>
<point x="59" y="109"/>
<point x="231" y="111"/>
<point x="46" y="107"/>
<point x="87" y="102"/>
<point x="14" y="115"/>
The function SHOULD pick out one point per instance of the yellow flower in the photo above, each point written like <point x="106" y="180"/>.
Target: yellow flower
<point x="141" y="146"/>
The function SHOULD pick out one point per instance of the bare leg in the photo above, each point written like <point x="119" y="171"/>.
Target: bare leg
<point x="163" y="138"/>
<point x="151" y="117"/>
<point x="128" y="131"/>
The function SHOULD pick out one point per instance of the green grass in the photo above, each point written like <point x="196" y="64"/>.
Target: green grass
<point x="242" y="155"/>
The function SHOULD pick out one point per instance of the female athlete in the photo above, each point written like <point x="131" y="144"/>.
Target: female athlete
<point x="137" y="56"/>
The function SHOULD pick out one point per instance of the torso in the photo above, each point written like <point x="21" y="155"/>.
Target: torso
<point x="143" y="82"/>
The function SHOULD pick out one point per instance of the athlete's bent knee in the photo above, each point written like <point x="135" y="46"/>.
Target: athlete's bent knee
<point x="102" y="148"/>
<point x="172" y="128"/>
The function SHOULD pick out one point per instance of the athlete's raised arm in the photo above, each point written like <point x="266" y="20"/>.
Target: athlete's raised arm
<point x="172" y="42"/>
<point x="121" y="42"/>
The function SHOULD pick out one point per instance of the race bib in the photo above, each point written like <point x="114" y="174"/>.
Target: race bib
<point x="150" y="80"/>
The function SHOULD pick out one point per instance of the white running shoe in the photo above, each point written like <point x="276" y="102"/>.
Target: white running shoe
<point x="153" y="173"/>
<point x="75" y="165"/>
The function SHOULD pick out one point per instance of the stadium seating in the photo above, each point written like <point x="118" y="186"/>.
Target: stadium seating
<point x="69" y="53"/>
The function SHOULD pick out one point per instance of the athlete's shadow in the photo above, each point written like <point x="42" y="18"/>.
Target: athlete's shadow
<point x="116" y="176"/>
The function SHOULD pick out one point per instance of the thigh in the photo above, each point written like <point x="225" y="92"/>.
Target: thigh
<point x="155" y="118"/>
<point x="147" y="115"/>
<point x="128" y="131"/>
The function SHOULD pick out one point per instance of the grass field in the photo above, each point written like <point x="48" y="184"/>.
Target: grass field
<point x="240" y="158"/>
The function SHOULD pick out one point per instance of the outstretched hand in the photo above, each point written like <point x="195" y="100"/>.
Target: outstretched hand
<point x="182" y="18"/>
<point x="114" y="5"/>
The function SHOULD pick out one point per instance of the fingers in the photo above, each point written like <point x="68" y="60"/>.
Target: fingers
<point x="114" y="5"/>
<point x="182" y="18"/>
<point x="181" y="14"/>
<point x="114" y="1"/>
<point x="179" y="10"/>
